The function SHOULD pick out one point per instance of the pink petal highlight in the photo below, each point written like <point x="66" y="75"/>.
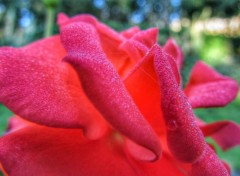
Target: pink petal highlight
<point x="209" y="165"/>
<point x="104" y="87"/>
<point x="15" y="123"/>
<point x="208" y="88"/>
<point x="185" y="139"/>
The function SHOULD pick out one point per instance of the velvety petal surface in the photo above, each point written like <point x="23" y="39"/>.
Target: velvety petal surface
<point x="50" y="151"/>
<point x="110" y="40"/>
<point x="185" y="140"/>
<point x="105" y="88"/>
<point x="142" y="84"/>
<point x="209" y="165"/>
<point x="225" y="133"/>
<point x="37" y="86"/>
<point x="208" y="88"/>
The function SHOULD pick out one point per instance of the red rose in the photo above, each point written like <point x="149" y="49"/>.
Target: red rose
<point x="98" y="102"/>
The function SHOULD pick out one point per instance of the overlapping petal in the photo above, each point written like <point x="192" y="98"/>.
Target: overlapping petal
<point x="207" y="88"/>
<point x="138" y="45"/>
<point x="104" y="87"/>
<point x="165" y="166"/>
<point x="175" y="51"/>
<point x="110" y="40"/>
<point x="50" y="151"/>
<point x="15" y="123"/>
<point x="129" y="33"/>
<point x="179" y="118"/>
<point x="142" y="84"/>
<point x="209" y="164"/>
<point x="38" y="87"/>
<point x="124" y="78"/>
<point x="225" y="133"/>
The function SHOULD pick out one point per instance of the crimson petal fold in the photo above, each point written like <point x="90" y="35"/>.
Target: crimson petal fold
<point x="109" y="38"/>
<point x="104" y="87"/>
<point x="185" y="139"/>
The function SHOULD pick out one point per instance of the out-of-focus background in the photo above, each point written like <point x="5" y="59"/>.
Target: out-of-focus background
<point x="205" y="29"/>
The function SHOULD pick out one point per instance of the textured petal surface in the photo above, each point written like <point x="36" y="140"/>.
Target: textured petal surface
<point x="175" y="51"/>
<point x="209" y="165"/>
<point x="225" y="133"/>
<point x="104" y="87"/>
<point x="179" y="118"/>
<point x="35" y="85"/>
<point x="109" y="38"/>
<point x="207" y="88"/>
<point x="49" y="151"/>
<point x="142" y="84"/>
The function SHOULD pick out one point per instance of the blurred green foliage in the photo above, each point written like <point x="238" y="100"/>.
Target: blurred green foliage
<point x="4" y="114"/>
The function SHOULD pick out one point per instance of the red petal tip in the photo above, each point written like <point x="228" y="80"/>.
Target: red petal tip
<point x="208" y="88"/>
<point x="185" y="139"/>
<point x="62" y="18"/>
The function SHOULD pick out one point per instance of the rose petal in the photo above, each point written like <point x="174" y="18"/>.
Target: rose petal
<point x="165" y="166"/>
<point x="49" y="151"/>
<point x="104" y="87"/>
<point x="179" y="118"/>
<point x="225" y="133"/>
<point x="48" y="49"/>
<point x="143" y="87"/>
<point x="129" y="33"/>
<point x="207" y="88"/>
<point x="175" y="51"/>
<point x="209" y="165"/>
<point x="226" y="165"/>
<point x="15" y="123"/>
<point x="109" y="38"/>
<point x="137" y="46"/>
<point x="62" y="18"/>
<point x="35" y="85"/>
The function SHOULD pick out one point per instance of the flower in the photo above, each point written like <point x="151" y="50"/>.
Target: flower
<point x="92" y="101"/>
